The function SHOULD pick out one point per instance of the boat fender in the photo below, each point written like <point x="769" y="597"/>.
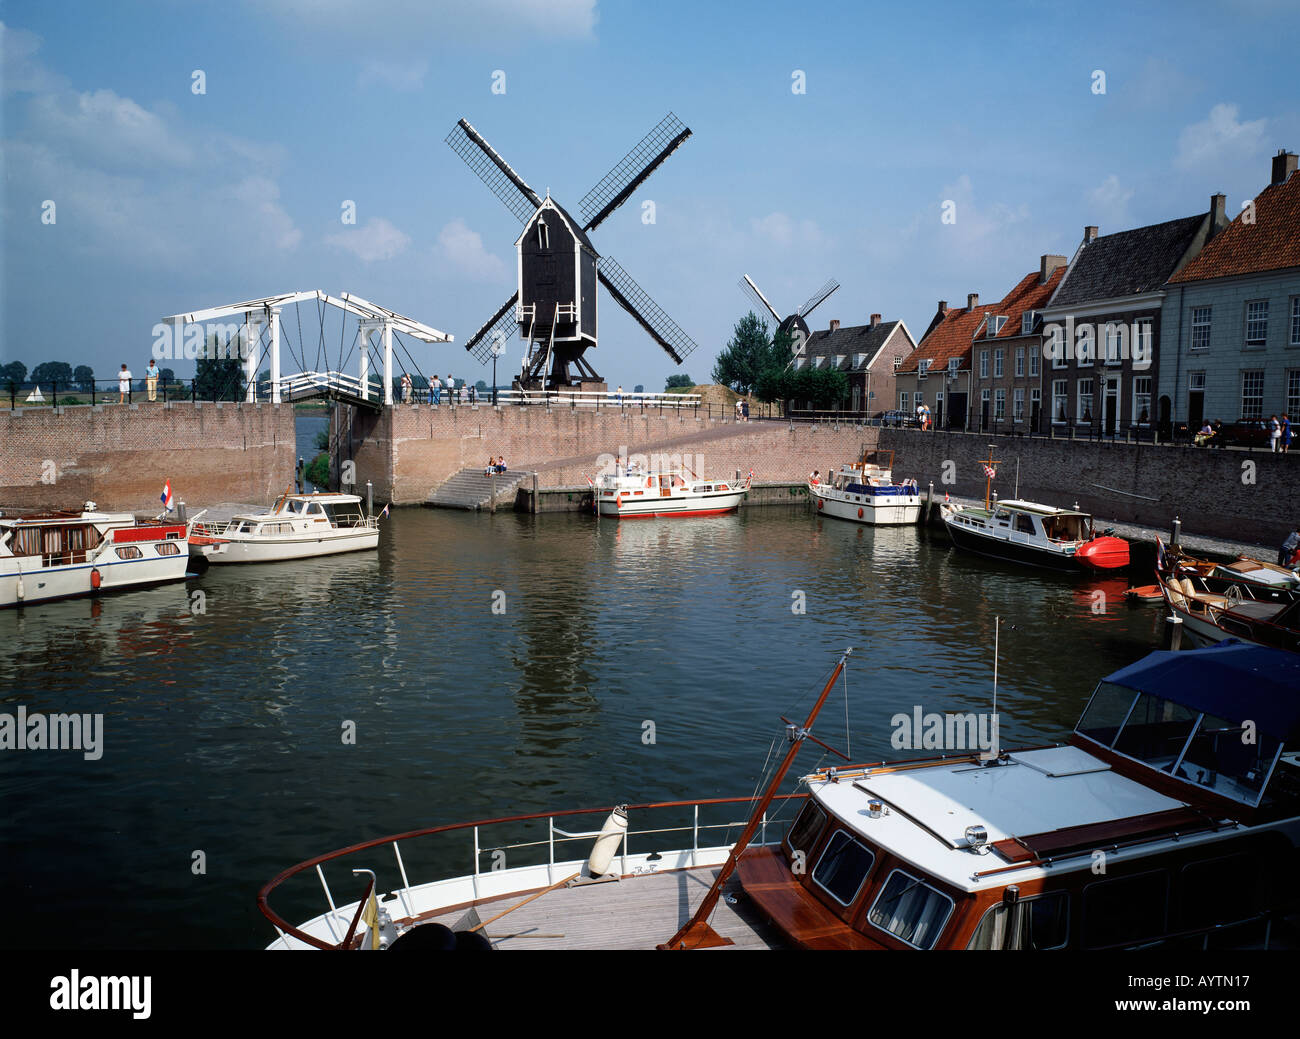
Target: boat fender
<point x="95" y="579"/>
<point x="819" y="504"/>
<point x="21" y="588"/>
<point x="611" y="836"/>
<point x="859" y="512"/>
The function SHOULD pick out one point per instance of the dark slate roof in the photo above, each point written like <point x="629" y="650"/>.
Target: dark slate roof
<point x="1127" y="263"/>
<point x="855" y="339"/>
<point x="576" y="227"/>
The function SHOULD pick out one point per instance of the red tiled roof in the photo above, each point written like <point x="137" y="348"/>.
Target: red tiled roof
<point x="1271" y="243"/>
<point x="1028" y="295"/>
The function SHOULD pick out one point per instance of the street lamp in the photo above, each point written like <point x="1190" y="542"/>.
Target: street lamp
<point x="498" y="348"/>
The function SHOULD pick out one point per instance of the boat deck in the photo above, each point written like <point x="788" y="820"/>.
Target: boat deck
<point x="637" y="912"/>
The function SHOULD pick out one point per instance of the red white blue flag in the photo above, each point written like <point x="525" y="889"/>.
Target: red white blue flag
<point x="1160" y="554"/>
<point x="991" y="472"/>
<point x="166" y="497"/>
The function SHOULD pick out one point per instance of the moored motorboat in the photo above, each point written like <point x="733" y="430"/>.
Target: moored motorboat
<point x="637" y="493"/>
<point x="63" y="554"/>
<point x="1209" y="617"/>
<point x="865" y="492"/>
<point x="1196" y="829"/>
<point x="298" y="526"/>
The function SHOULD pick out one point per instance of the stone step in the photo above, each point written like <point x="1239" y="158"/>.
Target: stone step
<point x="470" y="489"/>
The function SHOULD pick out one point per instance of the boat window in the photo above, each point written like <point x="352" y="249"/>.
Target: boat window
<point x="27" y="541"/>
<point x="1218" y="891"/>
<point x="168" y="548"/>
<point x="1036" y="923"/>
<point x="1105" y="713"/>
<point x="911" y="909"/>
<point x="314" y="509"/>
<point x="1024" y="524"/>
<point x="843" y="867"/>
<point x="1001" y="515"/>
<point x="1229" y="759"/>
<point x="806" y="831"/>
<point x="1065" y="528"/>
<point x="1130" y="909"/>
<point x="129" y="552"/>
<point x="1156" y="731"/>
<point x="345" y="514"/>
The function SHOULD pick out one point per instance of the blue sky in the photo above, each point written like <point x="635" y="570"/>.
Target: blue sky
<point x="169" y="201"/>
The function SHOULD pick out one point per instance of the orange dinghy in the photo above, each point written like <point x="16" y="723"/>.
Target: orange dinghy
<point x="1104" y="553"/>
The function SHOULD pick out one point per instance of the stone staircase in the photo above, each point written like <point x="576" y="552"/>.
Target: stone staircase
<point x="470" y="489"/>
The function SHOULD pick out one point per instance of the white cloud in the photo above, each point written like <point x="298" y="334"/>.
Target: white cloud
<point x="462" y="249"/>
<point x="1108" y="203"/>
<point x="783" y="230"/>
<point x="106" y="128"/>
<point x="376" y="239"/>
<point x="23" y="72"/>
<point x="404" y="76"/>
<point x="1221" y="136"/>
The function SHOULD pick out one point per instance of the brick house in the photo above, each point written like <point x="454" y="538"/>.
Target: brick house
<point x="1007" y="354"/>
<point x="1230" y="345"/>
<point x="867" y="354"/>
<point x="1104" y="320"/>
<point x="938" y="371"/>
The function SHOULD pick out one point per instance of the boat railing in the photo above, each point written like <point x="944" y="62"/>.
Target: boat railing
<point x="553" y="838"/>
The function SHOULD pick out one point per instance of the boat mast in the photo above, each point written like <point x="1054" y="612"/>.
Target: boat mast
<point x="696" y="932"/>
<point x="988" y="476"/>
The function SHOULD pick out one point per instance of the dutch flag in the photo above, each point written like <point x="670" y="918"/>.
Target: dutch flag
<point x="166" y="497"/>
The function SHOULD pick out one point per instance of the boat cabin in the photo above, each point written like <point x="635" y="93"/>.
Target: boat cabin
<point x="1161" y="821"/>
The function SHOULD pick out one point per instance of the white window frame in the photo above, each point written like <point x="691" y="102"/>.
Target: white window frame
<point x="1027" y="322"/>
<point x="1033" y="363"/>
<point x="1295" y="321"/>
<point x="1000" y="405"/>
<point x="1116" y="332"/>
<point x="1137" y="410"/>
<point x="826" y="847"/>
<point x="1020" y="362"/>
<point x="954" y="365"/>
<point x="1261" y="319"/>
<point x="1079" y="410"/>
<point x="1292" y="398"/>
<point x="938" y="931"/>
<point x="1245" y="373"/>
<point x="1063" y="398"/>
<point x="984" y="364"/>
<point x="1201" y="328"/>
<point x="1061" y="351"/>
<point x="1085" y="356"/>
<point x="999" y="362"/>
<point x="1018" y="404"/>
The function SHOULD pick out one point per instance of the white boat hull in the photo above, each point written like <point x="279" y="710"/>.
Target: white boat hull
<point x="45" y="583"/>
<point x="875" y="510"/>
<point x="273" y="549"/>
<point x="628" y="506"/>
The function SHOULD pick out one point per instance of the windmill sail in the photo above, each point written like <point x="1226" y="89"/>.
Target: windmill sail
<point x="631" y="171"/>
<point x="751" y="290"/>
<point x="494" y="171"/>
<point x="818" y="297"/>
<point x="499" y="328"/>
<point x="637" y="302"/>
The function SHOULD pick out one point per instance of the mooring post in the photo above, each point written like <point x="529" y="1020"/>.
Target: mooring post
<point x="929" y="503"/>
<point x="533" y="503"/>
<point x="1174" y="632"/>
<point x="1176" y="533"/>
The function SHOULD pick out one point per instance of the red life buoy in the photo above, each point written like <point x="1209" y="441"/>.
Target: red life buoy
<point x="819" y="504"/>
<point x="859" y="513"/>
<point x="95" y="579"/>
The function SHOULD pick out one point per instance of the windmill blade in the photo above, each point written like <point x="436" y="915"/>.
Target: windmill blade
<point x="818" y="297"/>
<point x="631" y="171"/>
<point x="751" y="290"/>
<point x="494" y="171"/>
<point x="637" y="302"/>
<point x="499" y="324"/>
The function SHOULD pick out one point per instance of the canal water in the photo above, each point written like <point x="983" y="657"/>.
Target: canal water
<point x="489" y="665"/>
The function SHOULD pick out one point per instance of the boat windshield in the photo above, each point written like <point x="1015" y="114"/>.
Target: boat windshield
<point x="1071" y="527"/>
<point x="345" y="514"/>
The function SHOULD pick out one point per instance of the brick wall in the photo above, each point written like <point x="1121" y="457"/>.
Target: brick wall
<point x="1118" y="482"/>
<point x="120" y="455"/>
<point x="411" y="450"/>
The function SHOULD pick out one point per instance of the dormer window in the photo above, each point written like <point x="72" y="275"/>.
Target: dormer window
<point x="543" y="235"/>
<point x="954" y="364"/>
<point x="1027" y="320"/>
<point x="996" y="321"/>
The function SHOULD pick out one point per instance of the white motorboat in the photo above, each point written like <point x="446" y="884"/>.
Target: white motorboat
<point x="62" y="554"/>
<point x="635" y="493"/>
<point x="865" y="492"/>
<point x="298" y="526"/>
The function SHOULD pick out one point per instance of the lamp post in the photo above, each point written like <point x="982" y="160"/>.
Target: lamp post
<point x="498" y="348"/>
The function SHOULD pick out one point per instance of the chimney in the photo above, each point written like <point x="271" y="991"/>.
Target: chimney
<point x="943" y="307"/>
<point x="1048" y="266"/>
<point x="875" y="320"/>
<point x="972" y="301"/>
<point x="1284" y="164"/>
<point x="1090" y="233"/>
<point x="835" y="324"/>
<point x="1218" y="216"/>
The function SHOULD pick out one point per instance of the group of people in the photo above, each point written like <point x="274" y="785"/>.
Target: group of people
<point x="151" y="375"/>
<point x="495" y="465"/>
<point x="742" y="409"/>
<point x="923" y="415"/>
<point x="1279" y="434"/>
<point x="1289" y="554"/>
<point x="466" y="394"/>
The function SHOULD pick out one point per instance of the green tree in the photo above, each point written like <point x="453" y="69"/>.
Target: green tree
<point x="674" y="382"/>
<point x="638" y="388"/>
<point x="13" y="372"/>
<point x="218" y="378"/>
<point x="746" y="355"/>
<point x="317" y="471"/>
<point x="53" y="371"/>
<point x="84" y="376"/>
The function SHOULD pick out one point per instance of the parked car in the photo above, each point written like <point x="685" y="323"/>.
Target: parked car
<point x="1252" y="432"/>
<point x="897" y="418"/>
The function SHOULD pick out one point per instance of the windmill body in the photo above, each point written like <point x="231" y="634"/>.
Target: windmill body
<point x="555" y="305"/>
<point x="794" y="325"/>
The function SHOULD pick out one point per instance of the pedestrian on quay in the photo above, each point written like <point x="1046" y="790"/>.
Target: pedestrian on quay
<point x="744" y="410"/>
<point x="740" y="408"/>
<point x="451" y="390"/>
<point x="151" y="379"/>
<point x="123" y="384"/>
<point x="1274" y="432"/>
<point x="1286" y="434"/>
<point x="435" y="391"/>
<point x="406" y="387"/>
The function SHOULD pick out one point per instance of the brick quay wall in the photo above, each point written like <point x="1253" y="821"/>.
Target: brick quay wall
<point x="120" y="455"/>
<point x="1241" y="495"/>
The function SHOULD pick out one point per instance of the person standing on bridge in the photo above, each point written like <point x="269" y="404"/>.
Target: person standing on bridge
<point x="435" y="391"/>
<point x="406" y="387"/>
<point x="151" y="379"/>
<point x="451" y="389"/>
<point x="123" y="384"/>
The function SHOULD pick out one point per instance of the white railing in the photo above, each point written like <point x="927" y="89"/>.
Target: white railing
<point x="588" y="399"/>
<point x="306" y="382"/>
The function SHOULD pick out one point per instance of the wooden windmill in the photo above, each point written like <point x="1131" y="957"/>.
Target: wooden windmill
<point x="795" y="325"/>
<point x="554" y="306"/>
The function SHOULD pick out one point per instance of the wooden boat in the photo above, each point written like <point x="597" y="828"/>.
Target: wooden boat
<point x="63" y="554"/>
<point x="1197" y="832"/>
<point x="1032" y="534"/>
<point x="865" y="492"/>
<point x="1262" y="580"/>
<point x="1209" y="617"/>
<point x="636" y="493"/>
<point x="298" y="526"/>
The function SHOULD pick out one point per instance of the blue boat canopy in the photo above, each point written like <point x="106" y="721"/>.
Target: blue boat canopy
<point x="1233" y="680"/>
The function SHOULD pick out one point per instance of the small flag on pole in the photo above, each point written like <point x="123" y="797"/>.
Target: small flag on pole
<point x="1160" y="554"/>
<point x="991" y="473"/>
<point x="166" y="497"/>
<point x="385" y="512"/>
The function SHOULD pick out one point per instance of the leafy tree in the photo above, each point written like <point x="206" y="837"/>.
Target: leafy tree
<point x="53" y="371"/>
<point x="638" y="388"/>
<point x="481" y="386"/>
<point x="317" y="471"/>
<point x="218" y="378"/>
<point x="14" y="371"/>
<point x="674" y="381"/>
<point x="323" y="440"/>
<point x="84" y="376"/>
<point x="747" y="354"/>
